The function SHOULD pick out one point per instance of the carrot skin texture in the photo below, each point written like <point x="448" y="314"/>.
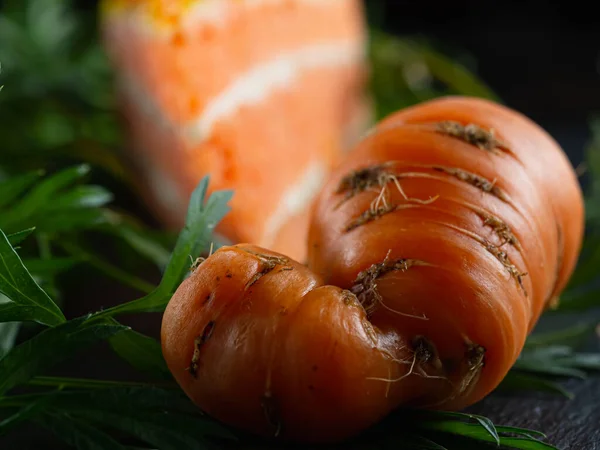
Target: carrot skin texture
<point x="433" y="250"/>
<point x="286" y="355"/>
<point x="520" y="187"/>
<point x="545" y="162"/>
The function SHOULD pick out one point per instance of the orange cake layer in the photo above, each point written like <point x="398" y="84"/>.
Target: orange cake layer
<point x="263" y="103"/>
<point x="186" y="66"/>
<point x="258" y="150"/>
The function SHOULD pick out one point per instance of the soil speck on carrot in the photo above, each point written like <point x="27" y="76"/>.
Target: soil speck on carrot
<point x="501" y="229"/>
<point x="198" y="343"/>
<point x="268" y="264"/>
<point x="361" y="180"/>
<point x="472" y="134"/>
<point x="369" y="216"/>
<point x="475" y="180"/>
<point x="502" y="256"/>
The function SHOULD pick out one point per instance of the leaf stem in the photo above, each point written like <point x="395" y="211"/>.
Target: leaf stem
<point x="157" y="297"/>
<point x="44" y="246"/>
<point x="87" y="383"/>
<point x="16" y="401"/>
<point x="107" y="268"/>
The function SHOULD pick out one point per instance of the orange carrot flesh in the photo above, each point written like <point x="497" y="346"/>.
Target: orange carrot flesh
<point x="433" y="249"/>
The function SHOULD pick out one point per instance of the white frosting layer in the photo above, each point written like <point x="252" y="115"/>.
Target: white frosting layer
<point x="295" y="199"/>
<point x="250" y="88"/>
<point x="261" y="81"/>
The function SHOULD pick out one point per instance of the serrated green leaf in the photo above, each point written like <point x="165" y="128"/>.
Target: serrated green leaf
<point x="485" y="423"/>
<point x="155" y="301"/>
<point x="202" y="218"/>
<point x="12" y="188"/>
<point x="19" y="236"/>
<point x="456" y="427"/>
<point x="77" y="433"/>
<point x="142" y="352"/>
<point x="520" y="432"/>
<point x="488" y="425"/>
<point x="50" y="347"/>
<point x="28" y="301"/>
<point x="475" y="431"/>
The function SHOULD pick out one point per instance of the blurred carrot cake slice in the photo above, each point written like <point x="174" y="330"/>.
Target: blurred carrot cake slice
<point x="262" y="95"/>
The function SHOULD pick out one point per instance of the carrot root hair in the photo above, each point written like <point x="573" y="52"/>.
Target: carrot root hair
<point x="365" y="285"/>
<point x="377" y="176"/>
<point x="424" y="357"/>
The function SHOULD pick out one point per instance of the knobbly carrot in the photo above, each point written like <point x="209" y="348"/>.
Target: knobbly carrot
<point x="433" y="250"/>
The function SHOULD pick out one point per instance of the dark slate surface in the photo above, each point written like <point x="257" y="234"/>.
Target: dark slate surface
<point x="569" y="424"/>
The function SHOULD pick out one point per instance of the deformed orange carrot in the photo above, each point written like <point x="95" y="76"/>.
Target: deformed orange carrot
<point x="433" y="250"/>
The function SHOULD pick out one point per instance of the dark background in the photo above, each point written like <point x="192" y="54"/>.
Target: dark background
<point x="543" y="59"/>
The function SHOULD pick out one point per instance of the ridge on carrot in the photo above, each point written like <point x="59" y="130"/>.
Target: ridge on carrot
<point x="433" y="250"/>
